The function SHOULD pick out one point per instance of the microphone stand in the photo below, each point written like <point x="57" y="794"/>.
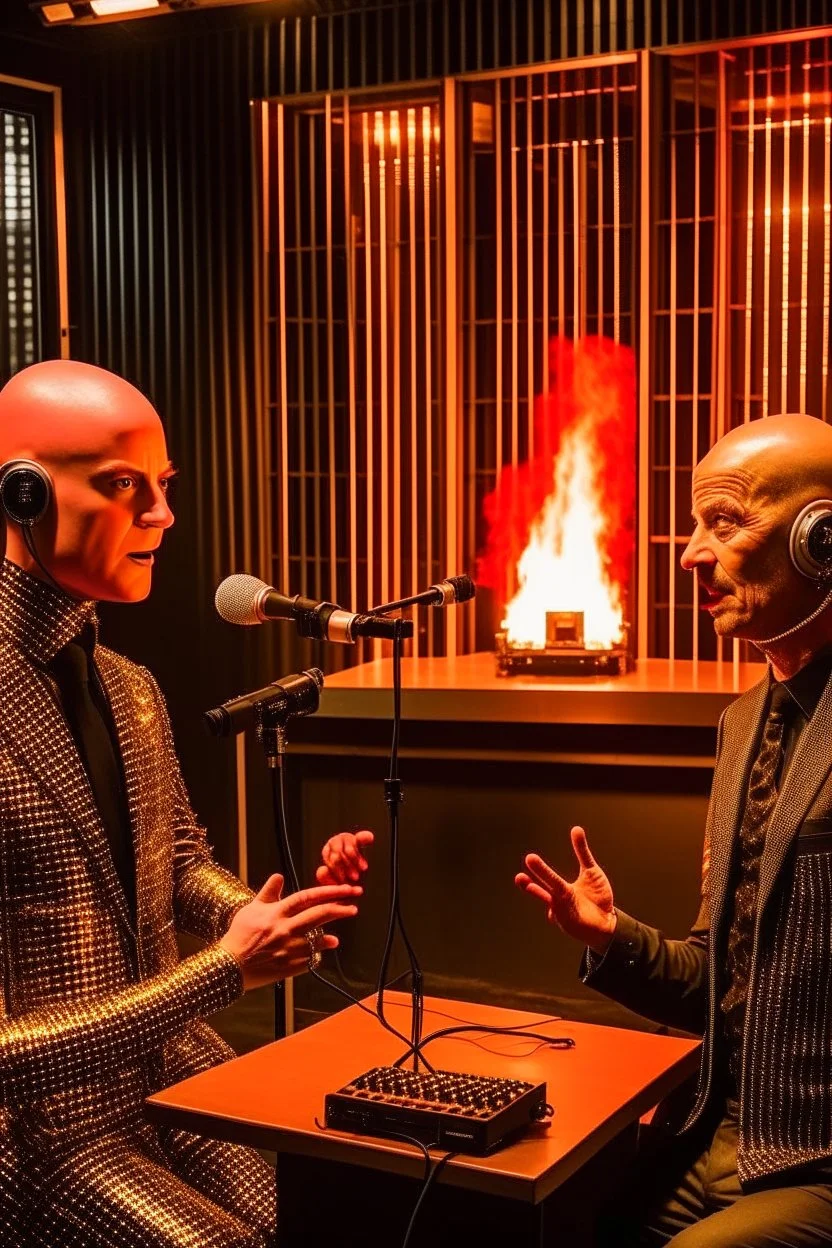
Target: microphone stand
<point x="271" y="734"/>
<point x="394" y="796"/>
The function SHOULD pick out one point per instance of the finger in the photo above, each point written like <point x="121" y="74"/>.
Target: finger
<point x="338" y="856"/>
<point x="272" y="890"/>
<point x="581" y="848"/>
<point x="316" y="916"/>
<point x="534" y="890"/>
<point x="307" y="897"/>
<point x="325" y="875"/>
<point x="545" y="876"/>
<point x="364" y="838"/>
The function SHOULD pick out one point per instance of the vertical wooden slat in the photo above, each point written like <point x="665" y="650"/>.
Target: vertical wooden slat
<point x="561" y="239"/>
<point x="530" y="271"/>
<point x="396" y="236"/>
<point x="451" y="319"/>
<point x="545" y="261"/>
<point x="697" y="245"/>
<point x="332" y="473"/>
<point x="804" y="234"/>
<point x="577" y="238"/>
<point x="645" y="208"/>
<point x="827" y="233"/>
<point x="427" y="347"/>
<point x="498" y="279"/>
<point x="672" y="413"/>
<point x="415" y="528"/>
<point x="283" y="477"/>
<point x="616" y="213"/>
<point x="312" y="124"/>
<point x="301" y="534"/>
<point x="515" y="382"/>
<point x="767" y="245"/>
<point x="383" y="351"/>
<point x="787" y="223"/>
<point x="722" y="225"/>
<point x="351" y="356"/>
<point x="749" y="242"/>
<point x="369" y="423"/>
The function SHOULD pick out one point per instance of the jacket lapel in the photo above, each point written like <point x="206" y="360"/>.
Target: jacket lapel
<point x="807" y="771"/>
<point x="37" y="735"/>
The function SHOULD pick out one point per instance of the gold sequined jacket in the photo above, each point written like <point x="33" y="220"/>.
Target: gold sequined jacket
<point x="785" y="1113"/>
<point x="96" y="1013"/>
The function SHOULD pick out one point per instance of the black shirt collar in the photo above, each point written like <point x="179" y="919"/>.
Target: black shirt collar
<point x="807" y="685"/>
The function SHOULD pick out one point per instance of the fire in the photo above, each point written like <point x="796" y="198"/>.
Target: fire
<point x="561" y="527"/>
<point x="562" y="568"/>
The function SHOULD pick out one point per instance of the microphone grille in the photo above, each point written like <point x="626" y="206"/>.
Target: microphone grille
<point x="464" y="588"/>
<point x="236" y="597"/>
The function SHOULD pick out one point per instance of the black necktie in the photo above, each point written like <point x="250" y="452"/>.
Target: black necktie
<point x="762" y="795"/>
<point x="86" y="719"/>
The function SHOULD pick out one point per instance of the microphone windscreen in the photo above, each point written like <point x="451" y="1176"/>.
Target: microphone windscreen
<point x="236" y="598"/>
<point x="464" y="588"/>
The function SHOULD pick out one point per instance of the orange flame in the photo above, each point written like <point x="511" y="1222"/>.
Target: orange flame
<point x="563" y="524"/>
<point x="562" y="568"/>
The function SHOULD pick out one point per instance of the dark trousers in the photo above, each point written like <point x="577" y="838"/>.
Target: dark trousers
<point x="699" y="1203"/>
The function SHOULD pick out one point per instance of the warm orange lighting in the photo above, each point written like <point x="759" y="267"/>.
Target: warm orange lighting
<point x="770" y="101"/>
<point x="106" y="8"/>
<point x="378" y="130"/>
<point x="57" y="13"/>
<point x="562" y="568"/>
<point x="395" y="136"/>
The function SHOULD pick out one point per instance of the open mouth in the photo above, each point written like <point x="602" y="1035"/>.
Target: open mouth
<point x="143" y="557"/>
<point x="710" y="596"/>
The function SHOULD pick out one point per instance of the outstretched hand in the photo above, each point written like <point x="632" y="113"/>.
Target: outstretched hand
<point x="583" y="908"/>
<point x="343" y="858"/>
<point x="272" y="936"/>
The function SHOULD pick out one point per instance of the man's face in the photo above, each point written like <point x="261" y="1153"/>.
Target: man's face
<point x="739" y="550"/>
<point x="111" y="509"/>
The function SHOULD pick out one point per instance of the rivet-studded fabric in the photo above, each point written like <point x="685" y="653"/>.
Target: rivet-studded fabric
<point x="96" y="1010"/>
<point x="762" y="796"/>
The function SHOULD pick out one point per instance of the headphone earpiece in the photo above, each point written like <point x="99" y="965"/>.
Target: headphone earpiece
<point x="810" y="543"/>
<point x="26" y="491"/>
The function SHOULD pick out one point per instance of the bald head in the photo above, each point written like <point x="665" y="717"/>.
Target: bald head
<point x="780" y="456"/>
<point x="63" y="409"/>
<point x="103" y="445"/>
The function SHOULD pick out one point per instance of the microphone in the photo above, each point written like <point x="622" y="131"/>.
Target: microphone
<point x="244" y="599"/>
<point x="285" y="699"/>
<point x="444" y="594"/>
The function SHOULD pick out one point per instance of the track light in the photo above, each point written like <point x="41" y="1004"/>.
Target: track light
<point x="94" y="12"/>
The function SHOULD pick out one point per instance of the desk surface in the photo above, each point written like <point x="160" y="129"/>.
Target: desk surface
<point x="468" y="688"/>
<point x="271" y="1097"/>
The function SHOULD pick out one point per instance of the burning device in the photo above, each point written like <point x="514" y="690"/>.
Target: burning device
<point x="569" y="512"/>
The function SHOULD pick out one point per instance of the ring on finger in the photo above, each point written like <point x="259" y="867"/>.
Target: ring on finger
<point x="314" y="960"/>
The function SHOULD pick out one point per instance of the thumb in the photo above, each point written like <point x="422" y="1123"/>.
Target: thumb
<point x="582" y="850"/>
<point x="272" y="890"/>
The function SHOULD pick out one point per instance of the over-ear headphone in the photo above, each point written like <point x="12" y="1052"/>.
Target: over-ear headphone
<point x="810" y="541"/>
<point x="26" y="491"/>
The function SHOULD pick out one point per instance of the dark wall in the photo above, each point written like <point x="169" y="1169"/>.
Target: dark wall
<point x="159" y="185"/>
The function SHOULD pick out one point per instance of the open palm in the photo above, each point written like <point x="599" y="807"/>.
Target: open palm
<point x="584" y="908"/>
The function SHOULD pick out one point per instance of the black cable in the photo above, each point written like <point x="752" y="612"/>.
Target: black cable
<point x="284" y="849"/>
<point x="373" y="1013"/>
<point x="428" y="1184"/>
<point x="29" y="542"/>
<point x="555" y="1042"/>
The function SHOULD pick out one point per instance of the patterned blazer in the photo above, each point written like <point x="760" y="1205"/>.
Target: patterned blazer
<point x="95" y="1013"/>
<point x="786" y="1092"/>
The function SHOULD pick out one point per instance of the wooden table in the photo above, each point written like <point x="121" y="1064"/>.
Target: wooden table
<point x="342" y="1189"/>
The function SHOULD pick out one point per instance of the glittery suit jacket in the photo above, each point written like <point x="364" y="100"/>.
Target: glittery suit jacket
<point x="786" y="1084"/>
<point x="96" y="1013"/>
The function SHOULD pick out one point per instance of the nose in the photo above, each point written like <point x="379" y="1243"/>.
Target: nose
<point x="156" y="513"/>
<point x="697" y="553"/>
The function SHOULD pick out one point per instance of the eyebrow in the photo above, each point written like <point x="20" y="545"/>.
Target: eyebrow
<point x="119" y="465"/>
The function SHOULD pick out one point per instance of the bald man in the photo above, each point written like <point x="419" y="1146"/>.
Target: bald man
<point x="102" y="859"/>
<point x="751" y="1161"/>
